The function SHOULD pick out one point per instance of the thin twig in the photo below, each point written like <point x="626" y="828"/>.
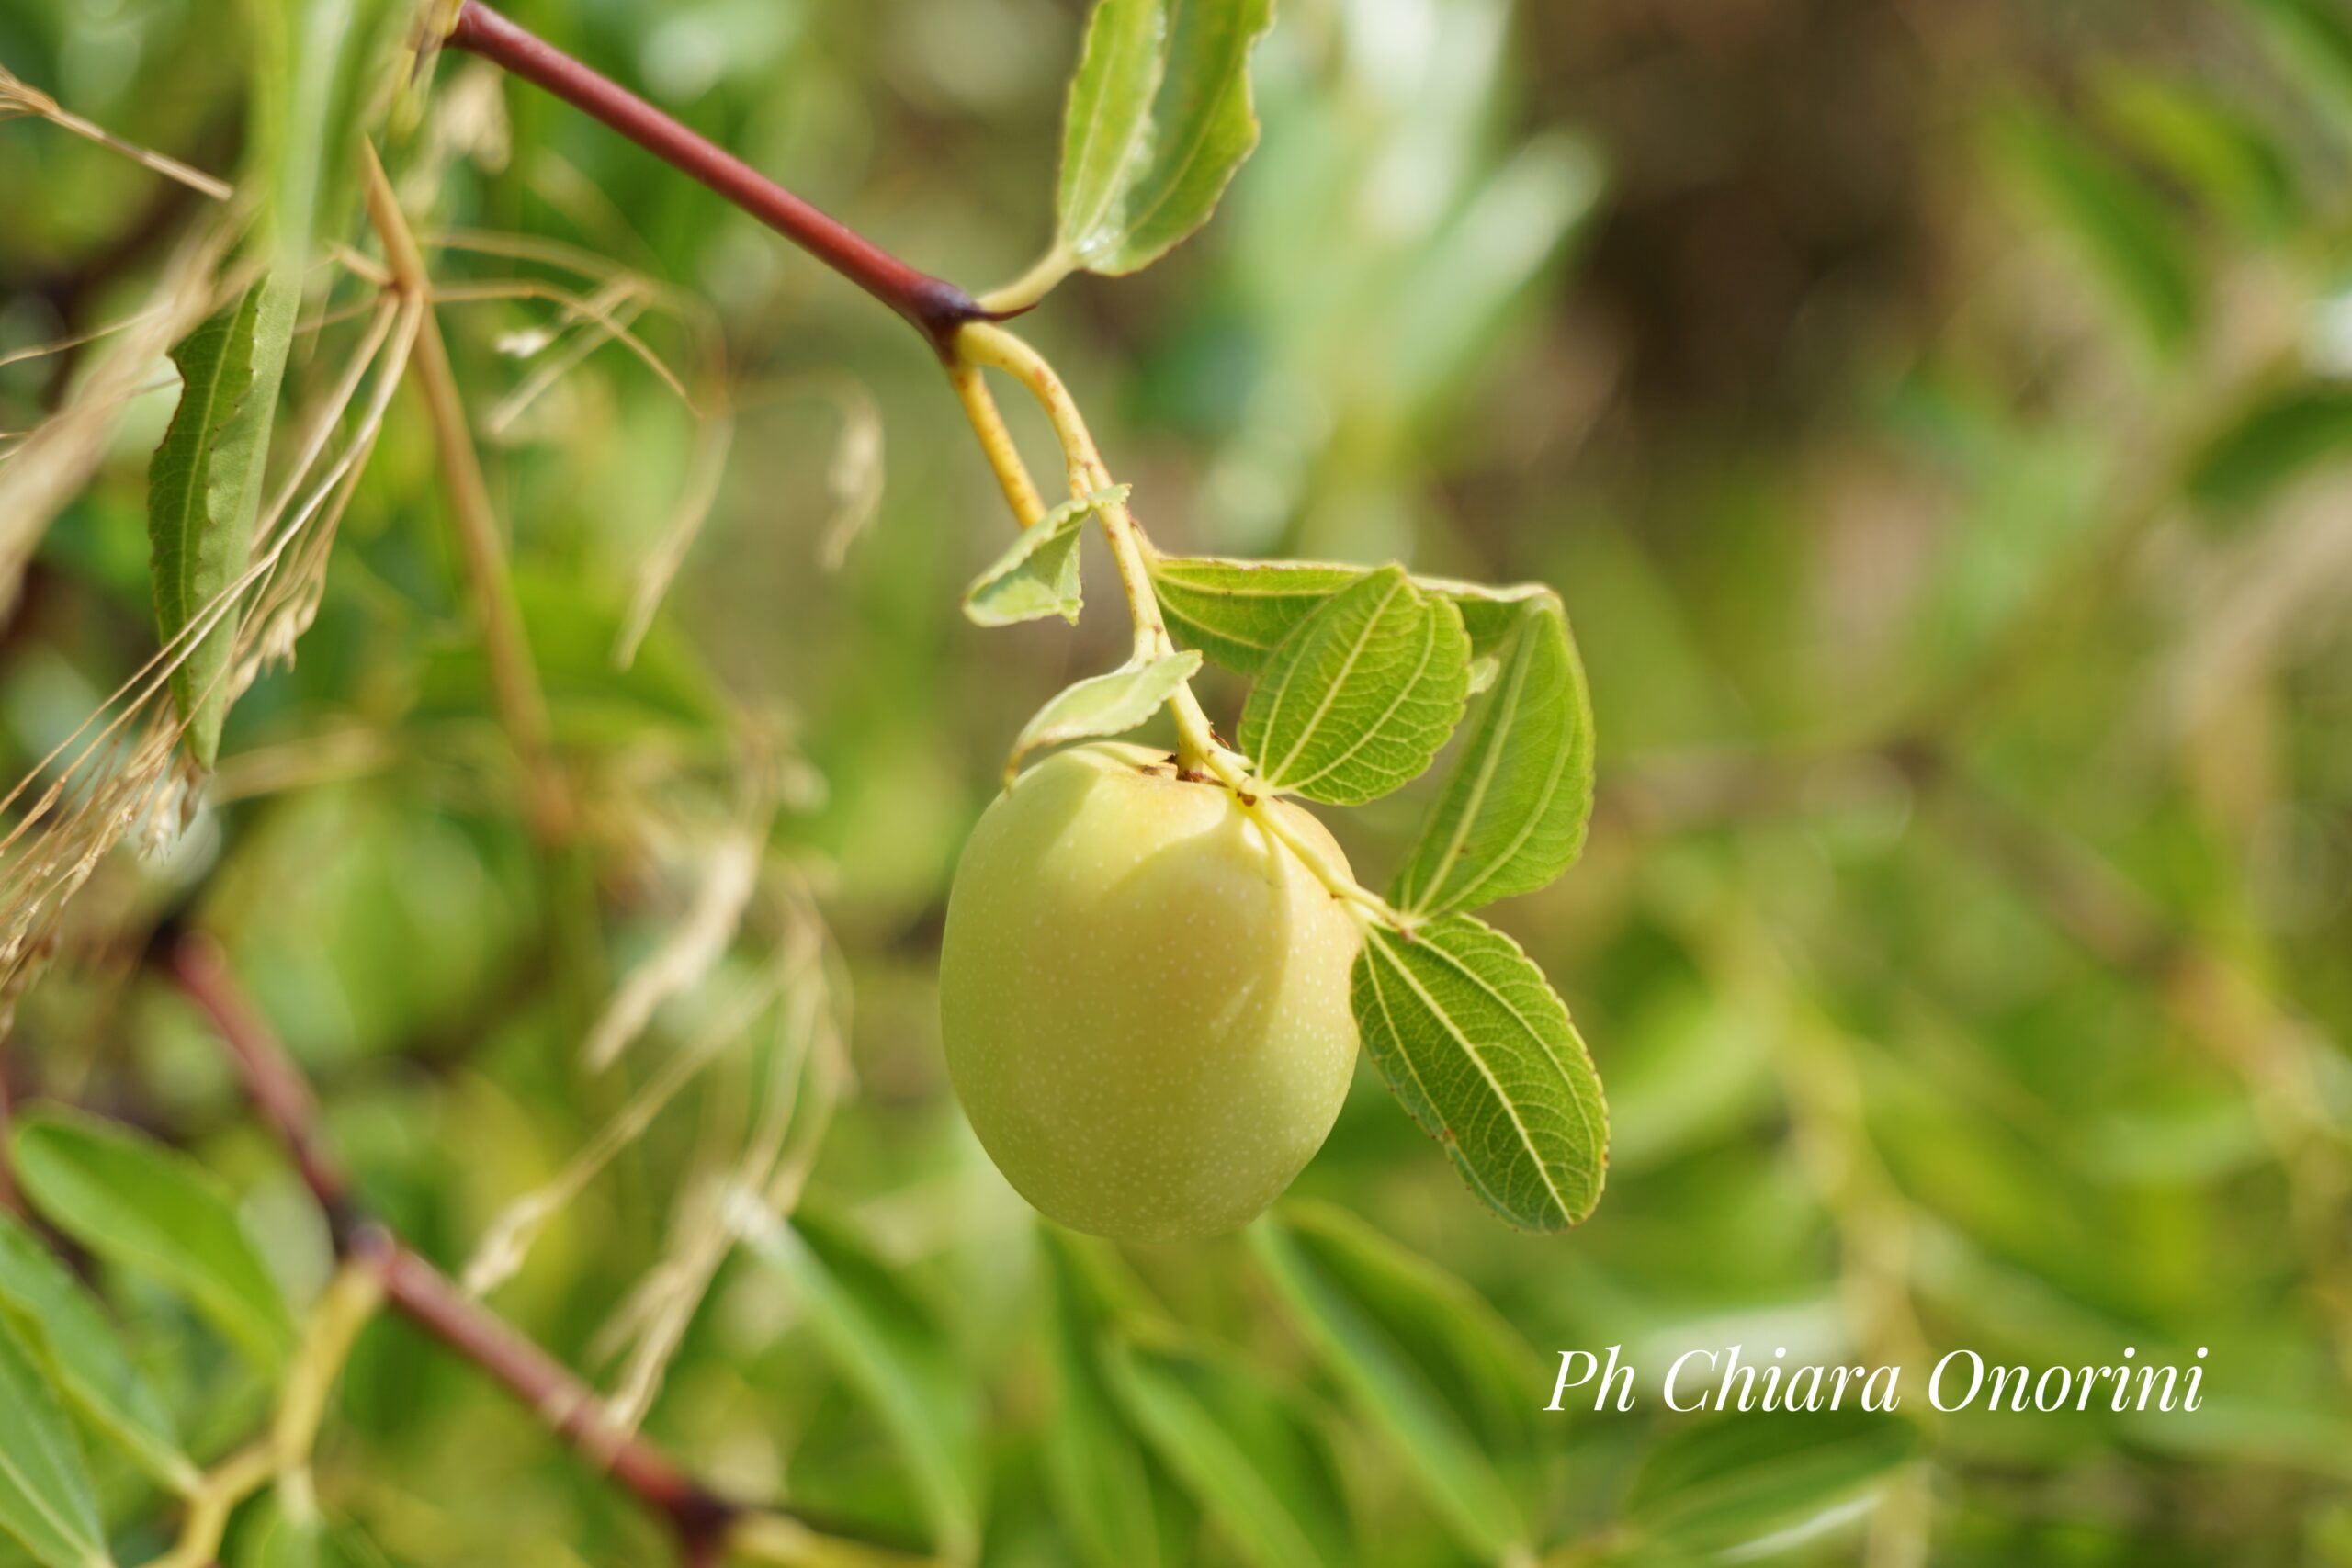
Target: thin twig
<point x="935" y="307"/>
<point x="15" y="91"/>
<point x="705" y="1522"/>
<point x="515" y="680"/>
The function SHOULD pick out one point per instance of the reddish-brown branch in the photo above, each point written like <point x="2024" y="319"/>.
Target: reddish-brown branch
<point x="272" y="1082"/>
<point x="700" y="1517"/>
<point x="936" y="307"/>
<point x="571" y="1410"/>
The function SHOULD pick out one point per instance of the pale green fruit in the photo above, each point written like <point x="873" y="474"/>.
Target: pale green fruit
<point x="1144" y="999"/>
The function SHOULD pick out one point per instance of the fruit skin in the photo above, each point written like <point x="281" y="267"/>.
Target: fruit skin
<point x="1144" y="1000"/>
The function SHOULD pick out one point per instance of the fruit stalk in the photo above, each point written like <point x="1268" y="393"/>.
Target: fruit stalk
<point x="980" y="342"/>
<point x="1198" y="749"/>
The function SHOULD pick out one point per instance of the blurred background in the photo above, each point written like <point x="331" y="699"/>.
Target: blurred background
<point x="1932" y="416"/>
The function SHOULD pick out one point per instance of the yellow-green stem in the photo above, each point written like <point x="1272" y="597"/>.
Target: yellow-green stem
<point x="979" y="342"/>
<point x="996" y="445"/>
<point x="1198" y="750"/>
<point x="350" y="1301"/>
<point x="225" y="1486"/>
<point x="1031" y="285"/>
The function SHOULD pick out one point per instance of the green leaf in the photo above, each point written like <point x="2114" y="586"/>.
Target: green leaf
<point x="2208" y="144"/>
<point x="62" y="1326"/>
<point x="2124" y="230"/>
<point x="276" y="1536"/>
<point x="46" y="1501"/>
<point x="893" y="1348"/>
<point x="1101" y="1477"/>
<point x="1420" y="1354"/>
<point x="158" y="1213"/>
<point x="2282" y="435"/>
<point x="1158" y="118"/>
<point x="1359" y="699"/>
<point x="1106" y="124"/>
<point x="204" y="489"/>
<point x="1458" y="290"/>
<point x="1512" y="816"/>
<point x="1103" y="705"/>
<point x="1260" y="1474"/>
<point x="573" y="628"/>
<point x="320" y="68"/>
<point x="2314" y="40"/>
<point x="274" y="1539"/>
<point x="1472" y="1039"/>
<point x="1237" y="611"/>
<point x="1038" y="576"/>
<point x="1710" y="1490"/>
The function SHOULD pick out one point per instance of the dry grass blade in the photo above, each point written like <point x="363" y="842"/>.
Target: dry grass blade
<point x="693" y="947"/>
<point x="576" y="308"/>
<point x="121" y="767"/>
<point x="608" y="313"/>
<point x="18" y="96"/>
<point x="705" y="467"/>
<point x="59" y="345"/>
<point x="806" y="1079"/>
<point x="507" y="1243"/>
<point x="855" y="476"/>
<point x="54" y="462"/>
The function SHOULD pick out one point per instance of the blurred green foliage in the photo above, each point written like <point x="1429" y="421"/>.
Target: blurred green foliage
<point x="1933" y="419"/>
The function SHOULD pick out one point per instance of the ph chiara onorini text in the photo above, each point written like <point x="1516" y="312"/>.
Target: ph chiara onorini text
<point x="1727" y="1380"/>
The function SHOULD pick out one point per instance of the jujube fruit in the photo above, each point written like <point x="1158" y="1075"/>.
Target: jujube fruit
<point x="1144" y="998"/>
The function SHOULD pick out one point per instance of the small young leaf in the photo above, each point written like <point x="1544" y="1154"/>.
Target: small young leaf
<point x="1420" y="1354"/>
<point x="1469" y="1035"/>
<point x="1038" y="576"/>
<point x="46" y="1501"/>
<point x="204" y="489"/>
<point x="892" y="1347"/>
<point x="152" y="1210"/>
<point x="1260" y="1474"/>
<point x="1361" y="695"/>
<point x="1237" y="611"/>
<point x="1512" y="816"/>
<point x="1158" y="118"/>
<point x="1711" y="1490"/>
<point x="1101" y="1477"/>
<point x="67" y="1331"/>
<point x="1103" y="705"/>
